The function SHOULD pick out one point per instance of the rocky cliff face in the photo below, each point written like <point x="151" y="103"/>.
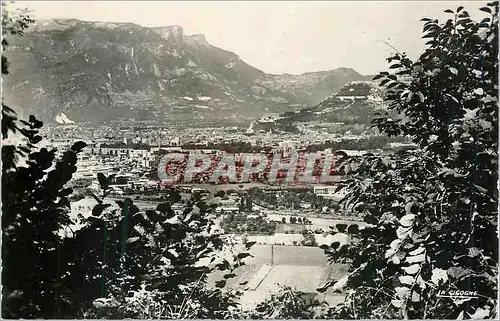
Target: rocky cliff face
<point x="97" y="71"/>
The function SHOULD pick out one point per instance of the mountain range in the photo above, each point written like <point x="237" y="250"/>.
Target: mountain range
<point x="94" y="71"/>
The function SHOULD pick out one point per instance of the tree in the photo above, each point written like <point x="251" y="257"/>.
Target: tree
<point x="283" y="220"/>
<point x="121" y="262"/>
<point x="293" y="219"/>
<point x="35" y="204"/>
<point x="431" y="212"/>
<point x="309" y="238"/>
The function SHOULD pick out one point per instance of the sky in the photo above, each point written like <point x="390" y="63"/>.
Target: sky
<point x="279" y="36"/>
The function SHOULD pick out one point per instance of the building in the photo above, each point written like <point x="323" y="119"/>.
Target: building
<point x="329" y="191"/>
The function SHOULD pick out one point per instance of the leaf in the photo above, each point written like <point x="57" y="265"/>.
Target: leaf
<point x="407" y="279"/>
<point x="407" y="220"/>
<point x="164" y="207"/>
<point x="102" y="180"/>
<point x="244" y="283"/>
<point x="473" y="252"/>
<point x="385" y="81"/>
<point x="153" y="216"/>
<point x="173" y="220"/>
<point x="479" y="91"/>
<point x="416" y="258"/>
<point x="173" y="253"/>
<point x="481" y="189"/>
<point x="64" y="202"/>
<point x="325" y="287"/>
<point x="397" y="303"/>
<point x="485" y="9"/>
<point x="341" y="227"/>
<point x="419" y="250"/>
<point x="243" y="255"/>
<point x="370" y="219"/>
<point x="480" y="314"/>
<point x="412" y="269"/>
<point x="396" y="259"/>
<point x="353" y="229"/>
<point x="402" y="292"/>
<point x="335" y="245"/>
<point x="340" y="284"/>
<point x="395" y="244"/>
<point x="403" y="232"/>
<point x="230" y="275"/>
<point x="390" y="253"/>
<point x="448" y="11"/>
<point x="78" y="146"/>
<point x="408" y="207"/>
<point x="99" y="303"/>
<point x="99" y="208"/>
<point x="459" y="9"/>
<point x="454" y="70"/>
<point x="248" y="245"/>
<point x="223" y="266"/>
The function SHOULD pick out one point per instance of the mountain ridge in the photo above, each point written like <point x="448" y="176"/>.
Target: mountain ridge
<point x="105" y="70"/>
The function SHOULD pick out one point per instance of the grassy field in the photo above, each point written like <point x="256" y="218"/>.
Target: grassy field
<point x="288" y="255"/>
<point x="303" y="268"/>
<point x="305" y="278"/>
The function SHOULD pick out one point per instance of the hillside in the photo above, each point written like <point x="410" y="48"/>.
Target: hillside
<point x="100" y="71"/>
<point x="357" y="102"/>
<point x="315" y="86"/>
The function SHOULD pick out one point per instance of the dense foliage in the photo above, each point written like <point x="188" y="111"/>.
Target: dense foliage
<point x="119" y="262"/>
<point x="309" y="238"/>
<point x="156" y="257"/>
<point x="432" y="212"/>
<point x="290" y="198"/>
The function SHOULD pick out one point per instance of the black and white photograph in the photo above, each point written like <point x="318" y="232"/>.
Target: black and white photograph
<point x="250" y="160"/>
